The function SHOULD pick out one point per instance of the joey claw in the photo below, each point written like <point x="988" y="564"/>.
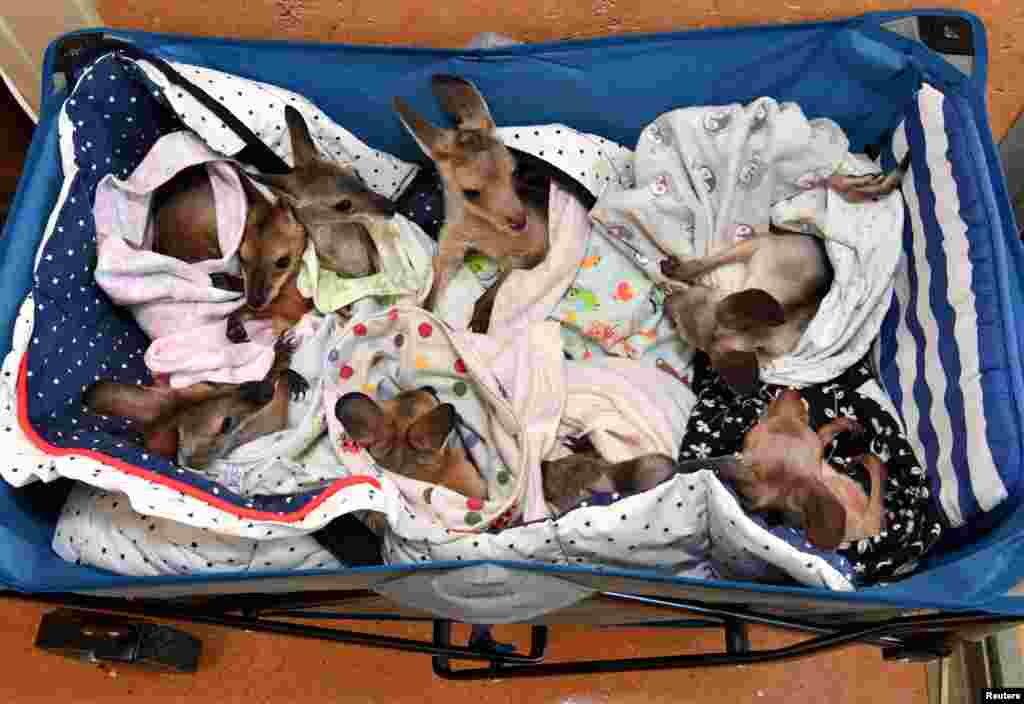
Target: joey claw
<point x="578" y="444"/>
<point x="286" y="343"/>
<point x="227" y="282"/>
<point x="236" y="329"/>
<point x="670" y="267"/>
<point x="297" y="384"/>
<point x="680" y="271"/>
<point x="859" y="189"/>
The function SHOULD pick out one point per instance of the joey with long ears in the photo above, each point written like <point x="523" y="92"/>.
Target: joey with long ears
<point x="201" y="423"/>
<point x="270" y="257"/>
<point x="750" y="303"/>
<point x="317" y="199"/>
<point x="484" y="210"/>
<point x="409" y="435"/>
<point x="270" y="253"/>
<point x="782" y="468"/>
<point x="330" y="201"/>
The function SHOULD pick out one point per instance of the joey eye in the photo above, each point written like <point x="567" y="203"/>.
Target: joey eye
<point x="227" y="425"/>
<point x="471" y="194"/>
<point x="283" y="262"/>
<point x="344" y="206"/>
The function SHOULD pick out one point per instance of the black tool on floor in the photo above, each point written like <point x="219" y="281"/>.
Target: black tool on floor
<point x="102" y="638"/>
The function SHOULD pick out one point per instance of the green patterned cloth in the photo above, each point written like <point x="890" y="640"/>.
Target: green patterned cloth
<point x="405" y="269"/>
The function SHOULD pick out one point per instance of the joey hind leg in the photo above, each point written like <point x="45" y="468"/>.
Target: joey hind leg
<point x="689" y="269"/>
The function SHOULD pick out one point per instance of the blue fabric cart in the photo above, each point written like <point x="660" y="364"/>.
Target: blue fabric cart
<point x="950" y="353"/>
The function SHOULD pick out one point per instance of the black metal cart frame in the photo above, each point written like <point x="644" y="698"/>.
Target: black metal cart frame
<point x="915" y="638"/>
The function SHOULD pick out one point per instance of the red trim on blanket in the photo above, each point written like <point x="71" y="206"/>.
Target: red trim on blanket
<point x="205" y="497"/>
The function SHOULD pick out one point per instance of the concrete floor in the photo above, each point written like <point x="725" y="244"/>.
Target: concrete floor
<point x="245" y="667"/>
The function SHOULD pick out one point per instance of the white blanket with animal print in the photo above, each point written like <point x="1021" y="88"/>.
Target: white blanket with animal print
<point x="706" y="177"/>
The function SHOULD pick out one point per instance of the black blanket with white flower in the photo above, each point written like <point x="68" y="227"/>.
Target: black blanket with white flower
<point x="721" y="419"/>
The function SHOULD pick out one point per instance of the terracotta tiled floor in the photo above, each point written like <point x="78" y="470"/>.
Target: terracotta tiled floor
<point x="251" y="668"/>
<point x="454" y="22"/>
<point x="244" y="667"/>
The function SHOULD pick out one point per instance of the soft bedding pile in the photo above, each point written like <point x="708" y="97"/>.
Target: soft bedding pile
<point x="580" y="345"/>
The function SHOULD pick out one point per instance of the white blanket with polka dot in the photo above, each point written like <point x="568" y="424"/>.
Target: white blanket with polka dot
<point x="101" y="529"/>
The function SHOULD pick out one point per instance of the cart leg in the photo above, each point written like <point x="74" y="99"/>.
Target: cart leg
<point x="481" y="639"/>
<point x="737" y="637"/>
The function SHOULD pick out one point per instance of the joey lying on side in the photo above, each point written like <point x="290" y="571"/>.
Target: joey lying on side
<point x="204" y="422"/>
<point x="751" y="302"/>
<point x="575" y="477"/>
<point x="782" y="468"/>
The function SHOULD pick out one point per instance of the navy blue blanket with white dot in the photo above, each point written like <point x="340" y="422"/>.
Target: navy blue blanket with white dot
<point x="79" y="335"/>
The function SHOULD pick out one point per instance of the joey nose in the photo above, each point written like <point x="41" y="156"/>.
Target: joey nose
<point x="791" y="395"/>
<point x="386" y="206"/>
<point x="257" y="299"/>
<point x="347" y="408"/>
<point x="517" y="224"/>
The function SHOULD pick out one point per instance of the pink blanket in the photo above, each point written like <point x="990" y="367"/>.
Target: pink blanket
<point x="622" y="405"/>
<point x="175" y="303"/>
<point x="513" y="387"/>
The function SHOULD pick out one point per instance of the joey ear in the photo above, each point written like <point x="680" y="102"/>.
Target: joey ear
<point x="286" y="212"/>
<point x="304" y="150"/>
<point x="362" y="418"/>
<point x="824" y="518"/>
<point x="749" y="309"/>
<point x="739" y="370"/>
<point x="282" y="185"/>
<point x="429" y="432"/>
<point x="253" y="195"/>
<point x="430" y="138"/>
<point x="461" y="99"/>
